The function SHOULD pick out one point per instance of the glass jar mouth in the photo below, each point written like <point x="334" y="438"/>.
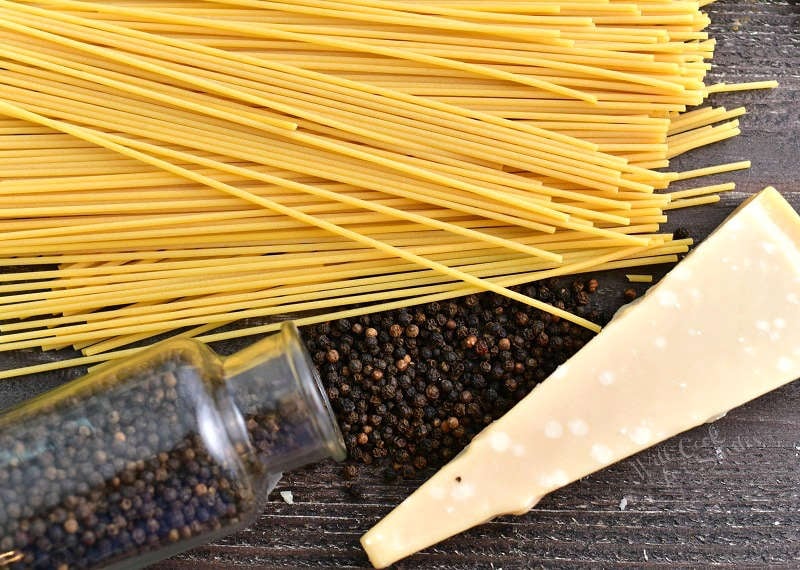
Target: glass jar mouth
<point x="311" y="384"/>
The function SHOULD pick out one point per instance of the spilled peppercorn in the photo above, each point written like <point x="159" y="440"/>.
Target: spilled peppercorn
<point x="413" y="386"/>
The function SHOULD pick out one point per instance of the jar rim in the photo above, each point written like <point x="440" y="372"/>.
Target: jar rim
<point x="313" y="390"/>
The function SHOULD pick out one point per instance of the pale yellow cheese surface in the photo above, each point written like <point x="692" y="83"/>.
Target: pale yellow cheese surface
<point x="722" y="328"/>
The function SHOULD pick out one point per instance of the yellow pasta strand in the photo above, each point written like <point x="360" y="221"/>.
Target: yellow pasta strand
<point x="638" y="278"/>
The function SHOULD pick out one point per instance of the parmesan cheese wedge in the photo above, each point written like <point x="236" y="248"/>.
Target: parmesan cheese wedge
<point x="722" y="328"/>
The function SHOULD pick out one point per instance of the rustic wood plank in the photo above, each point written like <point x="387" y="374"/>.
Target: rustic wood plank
<point x="725" y="494"/>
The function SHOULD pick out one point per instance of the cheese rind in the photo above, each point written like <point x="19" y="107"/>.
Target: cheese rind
<point x="722" y="328"/>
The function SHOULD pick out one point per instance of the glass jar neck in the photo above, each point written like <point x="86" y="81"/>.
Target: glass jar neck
<point x="279" y="405"/>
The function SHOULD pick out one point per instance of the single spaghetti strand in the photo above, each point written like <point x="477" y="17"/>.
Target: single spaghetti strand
<point x="709" y="170"/>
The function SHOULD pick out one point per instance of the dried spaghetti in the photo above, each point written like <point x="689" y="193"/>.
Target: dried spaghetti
<point x="176" y="167"/>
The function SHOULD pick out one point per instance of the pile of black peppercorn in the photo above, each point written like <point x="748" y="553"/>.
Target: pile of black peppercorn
<point x="121" y="466"/>
<point x="410" y="388"/>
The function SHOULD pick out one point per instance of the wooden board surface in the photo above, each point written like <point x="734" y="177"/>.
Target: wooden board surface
<point x="725" y="494"/>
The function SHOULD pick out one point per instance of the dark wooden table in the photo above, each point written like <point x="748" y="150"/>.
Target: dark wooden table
<point x="723" y="495"/>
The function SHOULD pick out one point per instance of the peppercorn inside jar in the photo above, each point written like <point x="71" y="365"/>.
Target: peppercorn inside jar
<point x="152" y="456"/>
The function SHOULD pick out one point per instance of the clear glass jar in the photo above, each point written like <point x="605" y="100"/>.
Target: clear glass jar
<point x="145" y="458"/>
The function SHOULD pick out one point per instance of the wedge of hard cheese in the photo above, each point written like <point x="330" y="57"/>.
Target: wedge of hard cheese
<point x="722" y="328"/>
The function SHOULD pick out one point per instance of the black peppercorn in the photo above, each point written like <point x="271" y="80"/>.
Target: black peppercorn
<point x="432" y="392"/>
<point x="542" y="339"/>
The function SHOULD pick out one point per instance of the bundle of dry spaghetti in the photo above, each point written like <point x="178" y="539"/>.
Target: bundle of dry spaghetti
<point x="173" y="167"/>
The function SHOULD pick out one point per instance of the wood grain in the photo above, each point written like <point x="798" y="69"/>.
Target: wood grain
<point x="723" y="495"/>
